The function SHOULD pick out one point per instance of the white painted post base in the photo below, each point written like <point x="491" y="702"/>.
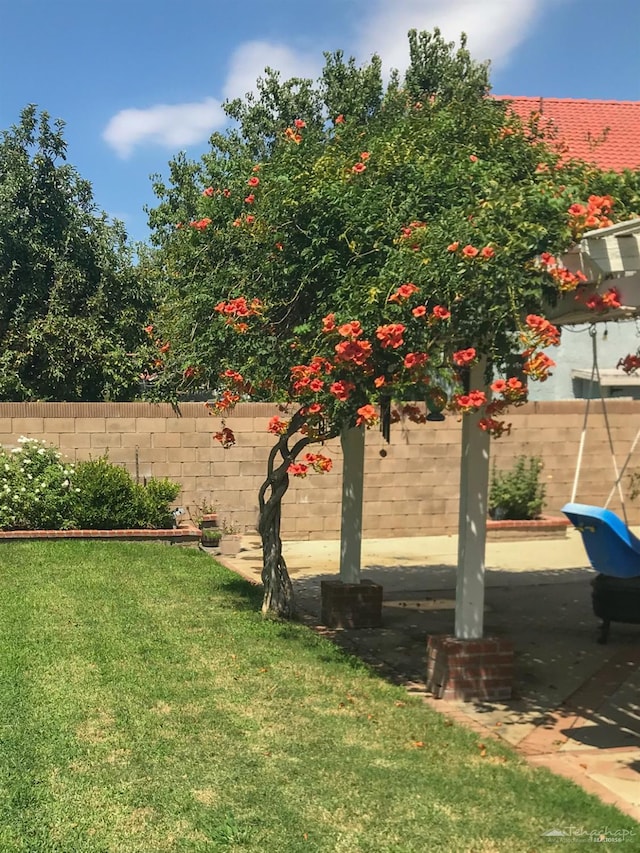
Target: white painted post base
<point x="352" y="441"/>
<point x="472" y="524"/>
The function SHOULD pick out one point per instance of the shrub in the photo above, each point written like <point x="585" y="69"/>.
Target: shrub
<point x="108" y="498"/>
<point x="518" y="493"/>
<point x="37" y="489"/>
<point x="158" y="494"/>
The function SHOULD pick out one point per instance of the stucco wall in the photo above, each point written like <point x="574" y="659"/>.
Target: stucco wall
<point x="614" y="341"/>
<point x="411" y="485"/>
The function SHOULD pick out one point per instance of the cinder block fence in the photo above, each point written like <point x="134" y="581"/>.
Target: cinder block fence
<point x="411" y="484"/>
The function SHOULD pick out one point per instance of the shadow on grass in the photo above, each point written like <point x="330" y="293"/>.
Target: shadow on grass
<point x="239" y="593"/>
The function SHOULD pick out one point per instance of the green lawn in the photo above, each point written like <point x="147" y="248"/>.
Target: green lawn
<point x="146" y="706"/>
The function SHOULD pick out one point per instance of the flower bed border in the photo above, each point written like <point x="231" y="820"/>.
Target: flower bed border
<point x="545" y="527"/>
<point x="180" y="535"/>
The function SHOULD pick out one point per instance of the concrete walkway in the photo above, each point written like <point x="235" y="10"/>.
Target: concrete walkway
<point x="576" y="708"/>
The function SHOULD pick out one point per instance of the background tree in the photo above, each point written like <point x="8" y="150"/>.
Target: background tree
<point x="350" y="243"/>
<point x="72" y="303"/>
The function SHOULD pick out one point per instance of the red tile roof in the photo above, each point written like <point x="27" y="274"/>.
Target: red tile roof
<point x="606" y="133"/>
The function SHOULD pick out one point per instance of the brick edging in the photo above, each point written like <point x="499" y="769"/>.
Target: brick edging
<point x="545" y="522"/>
<point x="182" y="534"/>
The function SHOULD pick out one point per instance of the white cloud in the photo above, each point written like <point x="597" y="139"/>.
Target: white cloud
<point x="172" y="126"/>
<point x="495" y="27"/>
<point x="251" y="58"/>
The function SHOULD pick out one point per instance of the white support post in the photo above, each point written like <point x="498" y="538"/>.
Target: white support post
<point x="472" y="522"/>
<point x="352" y="441"/>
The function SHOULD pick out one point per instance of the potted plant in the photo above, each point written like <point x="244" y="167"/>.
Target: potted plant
<point x="210" y="537"/>
<point x="231" y="539"/>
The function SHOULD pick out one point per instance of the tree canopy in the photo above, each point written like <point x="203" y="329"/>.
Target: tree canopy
<point x="72" y="303"/>
<point x="349" y="243"/>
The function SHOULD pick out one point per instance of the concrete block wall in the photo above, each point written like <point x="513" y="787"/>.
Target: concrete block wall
<point x="411" y="484"/>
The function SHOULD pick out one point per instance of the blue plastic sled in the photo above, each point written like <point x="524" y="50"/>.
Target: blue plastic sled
<point x="610" y="545"/>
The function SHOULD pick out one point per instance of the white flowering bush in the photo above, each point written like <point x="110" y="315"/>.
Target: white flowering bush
<point x="36" y="488"/>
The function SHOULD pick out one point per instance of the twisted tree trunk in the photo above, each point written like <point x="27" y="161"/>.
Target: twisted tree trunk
<point x="278" y="592"/>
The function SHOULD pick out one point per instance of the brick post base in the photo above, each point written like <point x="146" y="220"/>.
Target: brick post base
<point x="469" y="669"/>
<point x="351" y="605"/>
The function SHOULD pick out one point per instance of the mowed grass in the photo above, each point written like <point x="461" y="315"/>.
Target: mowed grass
<point x="146" y="706"/>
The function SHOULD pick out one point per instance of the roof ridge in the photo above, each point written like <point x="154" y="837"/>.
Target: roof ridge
<point x="543" y="98"/>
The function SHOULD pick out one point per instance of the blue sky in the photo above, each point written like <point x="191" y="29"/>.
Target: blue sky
<point x="138" y="80"/>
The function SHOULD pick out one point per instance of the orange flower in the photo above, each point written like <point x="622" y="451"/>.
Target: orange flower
<point x="234" y="376"/>
<point x="413" y="360"/>
<point x="329" y="323"/>
<point x="390" y="335"/>
<point x="487" y="252"/>
<point x="404" y="292"/>
<point x="297" y="469"/>
<point x="365" y="155"/>
<point x="319" y="462"/>
<point x="470" y="402"/>
<point x="441" y="313"/>
<point x="342" y="390"/>
<point x="366" y="415"/>
<point x="420" y="311"/>
<point x="226" y="193"/>
<point x="470" y="251"/>
<point x="200" y="224"/>
<point x="253" y="181"/>
<point x="350" y="330"/>
<point x="291" y="134"/>
<point x="473" y="158"/>
<point x="538" y="366"/>
<point x="339" y="119"/>
<point x="277" y="426"/>
<point x="453" y="247"/>
<point x="379" y="381"/>
<point x="358" y="168"/>
<point x="544" y="332"/>
<point x="250" y="219"/>
<point x="299" y="123"/>
<point x="208" y="192"/>
<point x="356" y="351"/>
<point x="464" y="357"/>
<point x="225" y="437"/>
<point x="611" y="299"/>
<point x="250" y="198"/>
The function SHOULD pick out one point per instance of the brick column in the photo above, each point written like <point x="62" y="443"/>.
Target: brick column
<point x="351" y="605"/>
<point x="469" y="669"/>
